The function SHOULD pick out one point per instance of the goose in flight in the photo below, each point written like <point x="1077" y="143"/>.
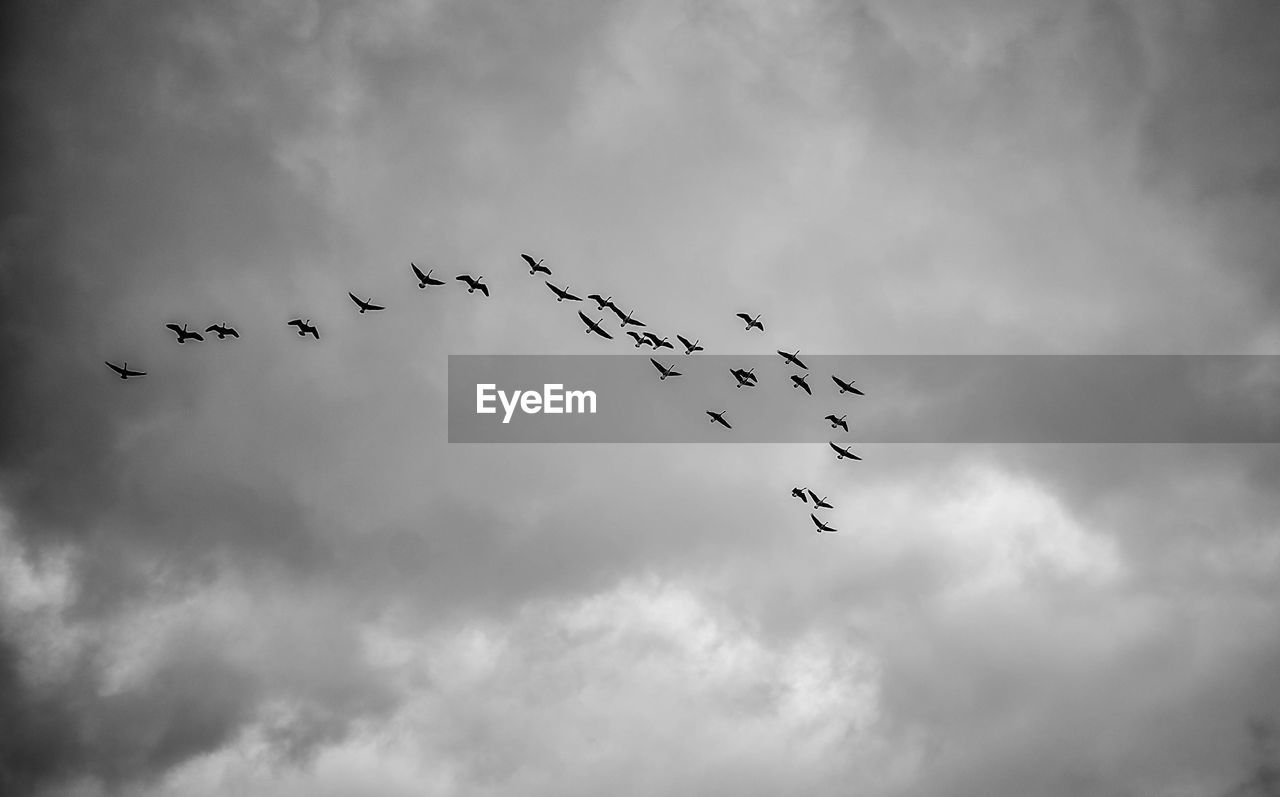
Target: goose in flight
<point x="627" y="320"/>
<point x="718" y="417"/>
<point x="183" y="334"/>
<point x="123" y="370"/>
<point x="841" y="453"/>
<point x="473" y="283"/>
<point x="594" y="326"/>
<point x="603" y="303"/>
<point x="820" y="503"/>
<point x="821" y="526"/>
<point x="798" y="492"/>
<point x="363" y="305"/>
<point x="798" y="381"/>
<point x="793" y="359"/>
<point x="640" y="340"/>
<point x="745" y="378"/>
<point x="838" y="422"/>
<point x="664" y="370"/>
<point x="425" y="279"/>
<point x="561" y="295"/>
<point x="658" y="343"/>
<point x="752" y="322"/>
<point x="846" y="387"/>
<point x="305" y="328"/>
<point x="222" y="331"/>
<point x="689" y="348"/>
<point x="534" y="268"/>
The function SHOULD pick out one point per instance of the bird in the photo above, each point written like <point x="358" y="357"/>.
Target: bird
<point x="745" y="378"/>
<point x="838" y="422"/>
<point x="425" y="279"/>
<point x="640" y="340"/>
<point x="689" y="348"/>
<point x="821" y="526"/>
<point x="305" y="328"/>
<point x="846" y="387"/>
<point x="820" y="503"/>
<point x="593" y="326"/>
<point x="602" y="303"/>
<point x="658" y="343"/>
<point x="798" y="492"/>
<point x="841" y="453"/>
<point x="799" y="382"/>
<point x="534" y="268"/>
<point x="561" y="295"/>
<point x="718" y="417"/>
<point x="793" y="359"/>
<point x="124" y="371"/>
<point x="627" y="320"/>
<point x="751" y="322"/>
<point x="473" y="283"/>
<point x="369" y="305"/>
<point x="222" y="331"/>
<point x="183" y="334"/>
<point x="664" y="370"/>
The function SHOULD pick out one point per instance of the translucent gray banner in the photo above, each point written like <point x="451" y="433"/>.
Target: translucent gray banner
<point x="905" y="399"/>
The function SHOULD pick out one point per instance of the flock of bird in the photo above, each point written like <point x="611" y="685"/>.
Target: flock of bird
<point x="744" y="378"/>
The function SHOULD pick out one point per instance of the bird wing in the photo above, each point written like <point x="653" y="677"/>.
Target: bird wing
<point x="356" y="299"/>
<point x="175" y="328"/>
<point x="314" y="332"/>
<point x="800" y="363"/>
<point x="658" y="365"/>
<point x="127" y="372"/>
<point x="195" y="335"/>
<point x="805" y="385"/>
<point x="621" y="315"/>
<point x="465" y="278"/>
<point x="375" y="307"/>
<point x="114" y="367"/>
<point x="600" y="331"/>
<point x="213" y="328"/>
<point x="297" y="322"/>
<point x="571" y="297"/>
<point x="483" y="288"/>
<point x="835" y="447"/>
<point x="816" y="522"/>
<point x="815" y="495"/>
<point x="528" y="260"/>
<point x="684" y="341"/>
<point x="418" y="272"/>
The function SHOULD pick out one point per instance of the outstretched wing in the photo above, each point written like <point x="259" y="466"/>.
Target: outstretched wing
<point x="532" y="263"/>
<point x="417" y="271"/>
<point x="177" y="329"/>
<point x="115" y="368"/>
<point x="658" y="365"/>
<point x="745" y="317"/>
<point x="464" y="278"/>
<point x="195" y="335"/>
<point x="297" y="322"/>
<point x="483" y="288"/>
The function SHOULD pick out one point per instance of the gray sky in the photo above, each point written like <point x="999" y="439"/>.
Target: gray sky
<point x="261" y="570"/>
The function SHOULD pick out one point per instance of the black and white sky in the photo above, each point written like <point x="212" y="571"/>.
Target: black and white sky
<point x="263" y="570"/>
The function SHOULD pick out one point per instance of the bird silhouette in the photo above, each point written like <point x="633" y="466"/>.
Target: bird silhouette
<point x="846" y="387"/>
<point x="821" y="526"/>
<point x="664" y="370"/>
<point x="369" y="305"/>
<point x="594" y="326"/>
<point x="838" y="422"/>
<point x="640" y="340"/>
<point x="602" y="303"/>
<point x="561" y="295"/>
<point x="425" y="279"/>
<point x="752" y="322"/>
<point x="222" y="331"/>
<point x="689" y="348"/>
<point x="841" y="453"/>
<point x="820" y="503"/>
<point x="658" y="343"/>
<point x="793" y="359"/>
<point x="798" y="492"/>
<point x="183" y="334"/>
<point x="534" y="268"/>
<point x="626" y="320"/>
<point x="745" y="378"/>
<point x="123" y="370"/>
<point x="799" y="382"/>
<point x="304" y="328"/>
<point x="718" y="417"/>
<point x="473" y="283"/>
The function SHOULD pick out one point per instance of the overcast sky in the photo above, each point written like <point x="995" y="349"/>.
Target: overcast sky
<point x="262" y="570"/>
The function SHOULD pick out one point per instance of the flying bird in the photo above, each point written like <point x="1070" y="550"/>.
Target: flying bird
<point x="846" y="387"/>
<point x="223" y="331"/>
<point x="658" y="343"/>
<point x="627" y="320"/>
<point x="183" y="334"/>
<point x="793" y="359"/>
<point x="305" y="328"/>
<point x="124" y="371"/>
<point x="425" y="279"/>
<point x="841" y="453"/>
<point x="838" y="422"/>
<point x="534" y="268"/>
<point x="640" y="340"/>
<point x="473" y="283"/>
<point x="689" y="348"/>
<point x="369" y="305"/>
<point x="798" y="492"/>
<point x="561" y="295"/>
<point x="820" y="503"/>
<point x="664" y="370"/>
<point x="799" y="382"/>
<point x="745" y="378"/>
<point x="821" y="526"/>
<point x="718" y="417"/>
<point x="752" y="322"/>
<point x="602" y="303"/>
<point x="594" y="326"/>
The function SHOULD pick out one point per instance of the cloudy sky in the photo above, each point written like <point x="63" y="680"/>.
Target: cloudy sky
<point x="263" y="570"/>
